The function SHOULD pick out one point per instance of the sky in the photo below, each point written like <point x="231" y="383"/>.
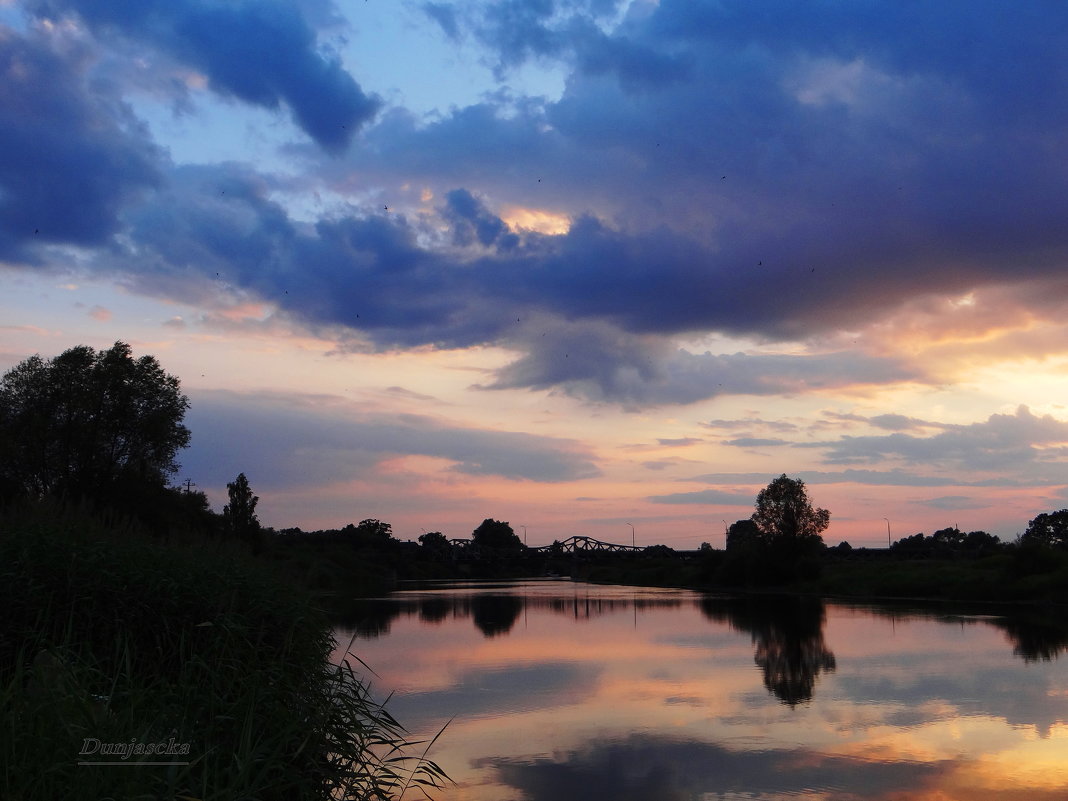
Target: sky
<point x="597" y="267"/>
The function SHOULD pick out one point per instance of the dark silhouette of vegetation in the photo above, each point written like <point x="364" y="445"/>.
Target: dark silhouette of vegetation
<point x="1049" y="529"/>
<point x="786" y="519"/>
<point x="495" y="535"/>
<point x="240" y="514"/>
<point x="495" y="614"/>
<point x="788" y="634"/>
<point x="90" y="425"/>
<point x="122" y="638"/>
<point x="436" y="545"/>
<point x="743" y="534"/>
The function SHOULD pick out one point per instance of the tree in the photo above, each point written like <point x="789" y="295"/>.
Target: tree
<point x="435" y="544"/>
<point x="1049" y="528"/>
<point x="743" y="534"/>
<point x="496" y="535"/>
<point x="785" y="516"/>
<point x="240" y="513"/>
<point x="370" y="533"/>
<point x="89" y="424"/>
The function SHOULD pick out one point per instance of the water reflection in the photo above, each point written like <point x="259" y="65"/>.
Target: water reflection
<point x="788" y="633"/>
<point x="569" y="691"/>
<point x="654" y="768"/>
<point x="1036" y="634"/>
<point x="492" y="611"/>
<point x="495" y="614"/>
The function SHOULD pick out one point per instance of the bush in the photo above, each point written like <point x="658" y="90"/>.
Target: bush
<point x="118" y="639"/>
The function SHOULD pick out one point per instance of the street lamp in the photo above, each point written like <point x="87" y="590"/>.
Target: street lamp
<point x="887" y="519"/>
<point x="632" y="540"/>
<point x="524" y="534"/>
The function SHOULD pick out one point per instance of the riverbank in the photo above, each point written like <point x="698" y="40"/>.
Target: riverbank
<point x="189" y="658"/>
<point x="1015" y="576"/>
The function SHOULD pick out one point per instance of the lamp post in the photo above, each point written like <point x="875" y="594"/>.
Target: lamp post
<point x="632" y="540"/>
<point x="524" y="534"/>
<point x="887" y="519"/>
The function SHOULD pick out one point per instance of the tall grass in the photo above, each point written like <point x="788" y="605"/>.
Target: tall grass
<point x="110" y="637"/>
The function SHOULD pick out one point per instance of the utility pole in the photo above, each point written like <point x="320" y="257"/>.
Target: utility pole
<point x="188" y="484"/>
<point x="524" y="534"/>
<point x="887" y="519"/>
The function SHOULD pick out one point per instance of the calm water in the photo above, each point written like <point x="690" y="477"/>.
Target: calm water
<point x="562" y="691"/>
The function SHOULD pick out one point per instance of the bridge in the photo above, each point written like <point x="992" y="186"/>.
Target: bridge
<point x="577" y="545"/>
<point x="580" y="544"/>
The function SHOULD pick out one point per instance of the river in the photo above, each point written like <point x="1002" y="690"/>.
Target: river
<point x="561" y="691"/>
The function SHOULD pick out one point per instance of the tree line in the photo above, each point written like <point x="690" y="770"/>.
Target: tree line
<point x="105" y="428"/>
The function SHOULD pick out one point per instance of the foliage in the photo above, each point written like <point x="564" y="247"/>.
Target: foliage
<point x="240" y="514"/>
<point x="89" y="424"/>
<point x="1049" y="528"/>
<point x="435" y="545"/>
<point x="785" y="515"/>
<point x="369" y="533"/>
<point x="115" y="637"/>
<point x="743" y="534"/>
<point x="496" y="535"/>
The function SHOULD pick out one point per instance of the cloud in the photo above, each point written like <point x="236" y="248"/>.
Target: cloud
<point x="709" y="496"/>
<point x="264" y="53"/>
<point x="952" y="503"/>
<point x="755" y="442"/>
<point x="678" y="442"/>
<point x="768" y="174"/>
<point x="294" y="440"/>
<point x="1003" y="441"/>
<point x="647" y="766"/>
<point x="880" y="478"/>
<point x="70" y="158"/>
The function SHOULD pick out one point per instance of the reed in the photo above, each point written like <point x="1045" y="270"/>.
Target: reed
<point x="115" y="639"/>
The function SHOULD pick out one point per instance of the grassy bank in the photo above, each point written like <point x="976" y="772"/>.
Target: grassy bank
<point x="116" y="642"/>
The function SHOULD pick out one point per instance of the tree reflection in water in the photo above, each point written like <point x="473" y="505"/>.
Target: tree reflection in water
<point x="788" y="633"/>
<point x="495" y="614"/>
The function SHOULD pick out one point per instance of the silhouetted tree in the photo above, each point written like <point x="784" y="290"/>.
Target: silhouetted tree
<point x="370" y="533"/>
<point x="87" y="423"/>
<point x="435" y="545"/>
<point x="981" y="542"/>
<point x="495" y="614"/>
<point x="1049" y="528"/>
<point x="951" y="537"/>
<point x="788" y="634"/>
<point x="743" y="534"/>
<point x="785" y="516"/>
<point x="240" y="513"/>
<point x="496" y="535"/>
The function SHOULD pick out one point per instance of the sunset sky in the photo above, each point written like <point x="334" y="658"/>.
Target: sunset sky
<point x="580" y="265"/>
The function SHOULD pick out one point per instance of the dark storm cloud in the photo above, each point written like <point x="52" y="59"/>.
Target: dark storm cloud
<point x="794" y="178"/>
<point x="373" y="273"/>
<point x="305" y="441"/>
<point x="662" y="769"/>
<point x="766" y="170"/>
<point x="69" y="158"/>
<point x="264" y="53"/>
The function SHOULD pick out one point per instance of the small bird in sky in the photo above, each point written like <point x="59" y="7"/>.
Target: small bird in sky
<point x="386" y="208"/>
